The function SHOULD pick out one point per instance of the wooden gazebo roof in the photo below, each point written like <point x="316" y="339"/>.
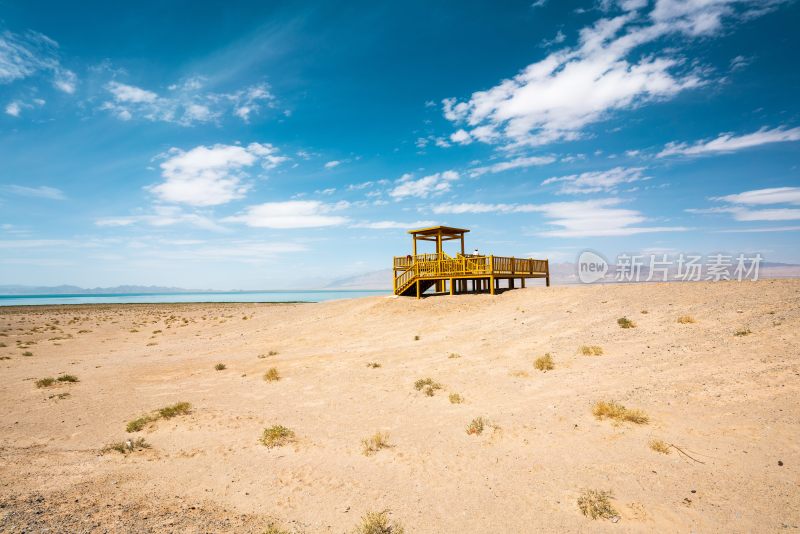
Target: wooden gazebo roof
<point x="434" y="233"/>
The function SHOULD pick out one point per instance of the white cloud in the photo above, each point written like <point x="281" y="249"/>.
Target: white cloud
<point x="163" y="216"/>
<point x="14" y="109"/>
<point x="42" y="191"/>
<point x="186" y="103"/>
<point x="332" y="164"/>
<point x="750" y="215"/>
<point x="66" y="81"/>
<point x="462" y="137"/>
<point x="393" y="225"/>
<point x="739" y="205"/>
<point x="291" y="214"/>
<point x="590" y="218"/>
<point x="517" y="163"/>
<point x="556" y="98"/>
<point x="772" y="195"/>
<point x="594" y="182"/>
<point x="211" y="175"/>
<point x="433" y="184"/>
<point x="730" y="143"/>
<point x="130" y="94"/>
<point x="558" y="39"/>
<point x="24" y="55"/>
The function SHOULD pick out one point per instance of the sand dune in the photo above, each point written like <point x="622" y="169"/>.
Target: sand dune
<point x="726" y="406"/>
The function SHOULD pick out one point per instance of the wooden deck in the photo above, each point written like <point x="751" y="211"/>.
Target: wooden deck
<point x="414" y="274"/>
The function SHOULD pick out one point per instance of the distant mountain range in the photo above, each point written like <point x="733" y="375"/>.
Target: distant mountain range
<point x="560" y="273"/>
<point x="75" y="290"/>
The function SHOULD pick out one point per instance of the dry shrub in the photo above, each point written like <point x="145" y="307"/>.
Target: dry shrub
<point x="659" y="446"/>
<point x="374" y="443"/>
<point x="427" y="386"/>
<point x="617" y="412"/>
<point x="455" y="398"/>
<point x="624" y="322"/>
<point x="45" y="382"/>
<point x="591" y="350"/>
<point x="544" y="363"/>
<point x="476" y="426"/>
<point x="277" y="436"/>
<point x="596" y="504"/>
<point x="378" y="523"/>
<point x="686" y="319"/>
<point x="272" y="375"/>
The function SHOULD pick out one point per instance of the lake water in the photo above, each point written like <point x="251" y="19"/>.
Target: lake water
<point x="157" y="298"/>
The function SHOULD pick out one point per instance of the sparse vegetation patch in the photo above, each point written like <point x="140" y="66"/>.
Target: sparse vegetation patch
<point x="373" y="365"/>
<point x="126" y="447"/>
<point x="739" y="333"/>
<point x="272" y="375"/>
<point x="67" y="378"/>
<point x="455" y="398"/>
<point x="544" y="363"/>
<point x="45" y="382"/>
<point x="220" y="367"/>
<point x="374" y="443"/>
<point x="591" y="350"/>
<point x="659" y="446"/>
<point x="180" y="408"/>
<point x="167" y="412"/>
<point x="378" y="523"/>
<point x="427" y="386"/>
<point x="686" y="319"/>
<point x="596" y="504"/>
<point x="476" y="426"/>
<point x="617" y="412"/>
<point x="624" y="322"/>
<point x="277" y="436"/>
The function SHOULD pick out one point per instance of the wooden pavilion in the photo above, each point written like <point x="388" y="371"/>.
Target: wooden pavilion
<point x="415" y="273"/>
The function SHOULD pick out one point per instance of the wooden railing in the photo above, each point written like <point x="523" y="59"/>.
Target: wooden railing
<point x="435" y="266"/>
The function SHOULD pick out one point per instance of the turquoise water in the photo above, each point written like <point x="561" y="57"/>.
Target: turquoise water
<point x="160" y="298"/>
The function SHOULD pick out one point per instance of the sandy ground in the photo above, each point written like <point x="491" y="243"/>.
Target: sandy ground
<point x="730" y="403"/>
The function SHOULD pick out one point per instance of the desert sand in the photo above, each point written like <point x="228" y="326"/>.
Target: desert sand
<point x="722" y="393"/>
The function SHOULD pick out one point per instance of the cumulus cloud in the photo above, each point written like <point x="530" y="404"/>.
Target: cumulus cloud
<point x="185" y="104"/>
<point x="516" y="163"/>
<point x="211" y="175"/>
<point x="556" y="98"/>
<point x="590" y="218"/>
<point x="728" y="142"/>
<point x="595" y="182"/>
<point x="28" y="54"/>
<point x="291" y="214"/>
<point x="462" y="137"/>
<point x="430" y="185"/>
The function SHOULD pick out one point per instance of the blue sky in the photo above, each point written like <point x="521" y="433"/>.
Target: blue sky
<point x="279" y="145"/>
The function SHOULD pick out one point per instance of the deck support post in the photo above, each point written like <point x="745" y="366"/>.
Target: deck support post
<point x="491" y="285"/>
<point x="522" y="282"/>
<point x="547" y="270"/>
<point x="451" y="287"/>
<point x="418" y="295"/>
